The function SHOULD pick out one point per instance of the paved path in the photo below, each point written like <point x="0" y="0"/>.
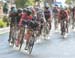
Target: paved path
<point x="55" y="47"/>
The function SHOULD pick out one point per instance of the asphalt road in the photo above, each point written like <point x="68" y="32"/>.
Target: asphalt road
<point x="54" y="47"/>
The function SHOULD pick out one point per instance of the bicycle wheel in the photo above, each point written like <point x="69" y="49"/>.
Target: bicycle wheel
<point x="63" y="28"/>
<point x="31" y="44"/>
<point x="30" y="49"/>
<point x="9" y="40"/>
<point x="10" y="33"/>
<point x="21" y="41"/>
<point x="14" y="35"/>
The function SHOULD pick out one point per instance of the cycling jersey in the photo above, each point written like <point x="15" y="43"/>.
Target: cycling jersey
<point x="47" y="14"/>
<point x="62" y="14"/>
<point x="24" y="18"/>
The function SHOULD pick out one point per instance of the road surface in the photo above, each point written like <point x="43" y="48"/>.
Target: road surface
<point x="55" y="47"/>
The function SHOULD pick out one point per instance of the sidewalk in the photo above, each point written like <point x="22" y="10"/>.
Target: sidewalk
<point x="4" y="30"/>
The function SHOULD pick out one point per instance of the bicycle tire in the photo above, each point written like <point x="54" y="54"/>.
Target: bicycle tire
<point x="21" y="42"/>
<point x="31" y="44"/>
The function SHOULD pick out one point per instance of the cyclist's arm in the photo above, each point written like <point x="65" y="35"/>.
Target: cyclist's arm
<point x="22" y="18"/>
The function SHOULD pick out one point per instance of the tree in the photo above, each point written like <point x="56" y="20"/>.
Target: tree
<point x="24" y="3"/>
<point x="68" y="2"/>
<point x="38" y="2"/>
<point x="20" y="3"/>
<point x="29" y="3"/>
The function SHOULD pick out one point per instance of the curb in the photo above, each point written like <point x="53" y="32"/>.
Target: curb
<point x="4" y="30"/>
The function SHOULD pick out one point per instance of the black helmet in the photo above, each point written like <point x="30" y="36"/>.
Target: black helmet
<point x="24" y="10"/>
<point x="20" y="10"/>
<point x="12" y="8"/>
<point x="29" y="11"/>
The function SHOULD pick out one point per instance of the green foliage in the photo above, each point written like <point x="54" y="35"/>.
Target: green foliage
<point x="2" y="24"/>
<point x="68" y="1"/>
<point x="29" y="3"/>
<point x="24" y="3"/>
<point x="20" y="3"/>
<point x="5" y="19"/>
<point x="37" y="0"/>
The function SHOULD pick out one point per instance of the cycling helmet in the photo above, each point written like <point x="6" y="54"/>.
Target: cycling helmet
<point x="25" y="10"/>
<point x="14" y="9"/>
<point x="20" y="10"/>
<point x="46" y="5"/>
<point x="29" y="11"/>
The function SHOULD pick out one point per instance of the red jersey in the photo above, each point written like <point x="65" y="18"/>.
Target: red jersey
<point x="25" y="17"/>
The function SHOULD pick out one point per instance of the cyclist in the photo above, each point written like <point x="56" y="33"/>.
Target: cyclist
<point x="5" y="8"/>
<point x="21" y="27"/>
<point x="13" y="21"/>
<point x="47" y="15"/>
<point x="55" y="15"/>
<point x="63" y="18"/>
<point x="19" y="14"/>
<point x="25" y="19"/>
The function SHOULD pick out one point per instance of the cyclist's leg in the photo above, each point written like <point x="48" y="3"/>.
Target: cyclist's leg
<point x="67" y="22"/>
<point x="10" y="33"/>
<point x="50" y="24"/>
<point x="62" y="26"/>
<point x="27" y="36"/>
<point x="22" y="37"/>
<point x="19" y="36"/>
<point x="73" y="23"/>
<point x="39" y="30"/>
<point x="55" y="22"/>
<point x="13" y="34"/>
